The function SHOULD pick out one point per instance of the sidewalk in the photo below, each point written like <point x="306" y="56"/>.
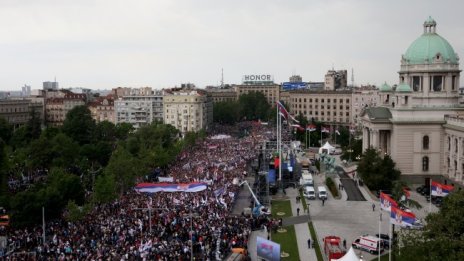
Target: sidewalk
<point x="301" y="230"/>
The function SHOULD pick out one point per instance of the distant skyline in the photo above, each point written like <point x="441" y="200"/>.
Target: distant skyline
<point x="102" y="44"/>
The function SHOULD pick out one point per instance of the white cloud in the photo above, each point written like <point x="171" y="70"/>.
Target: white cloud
<point x="108" y="43"/>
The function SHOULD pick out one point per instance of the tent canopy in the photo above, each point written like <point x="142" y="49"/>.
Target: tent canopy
<point x="349" y="256"/>
<point x="327" y="147"/>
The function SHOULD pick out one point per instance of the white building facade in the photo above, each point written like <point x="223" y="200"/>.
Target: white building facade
<point x="419" y="123"/>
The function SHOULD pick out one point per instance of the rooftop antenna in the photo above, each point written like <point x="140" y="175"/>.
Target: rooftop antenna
<point x="222" y="77"/>
<point x="352" y="77"/>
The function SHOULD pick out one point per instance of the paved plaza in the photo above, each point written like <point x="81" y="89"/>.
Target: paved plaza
<point x="340" y="217"/>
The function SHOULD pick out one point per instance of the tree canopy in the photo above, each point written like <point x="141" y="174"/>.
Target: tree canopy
<point x="377" y="173"/>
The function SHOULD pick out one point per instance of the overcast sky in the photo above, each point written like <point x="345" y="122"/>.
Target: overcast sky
<point x="101" y="44"/>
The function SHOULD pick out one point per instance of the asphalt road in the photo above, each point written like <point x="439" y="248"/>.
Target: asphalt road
<point x="350" y="187"/>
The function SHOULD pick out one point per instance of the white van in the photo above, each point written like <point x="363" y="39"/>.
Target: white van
<point x="322" y="193"/>
<point x="309" y="192"/>
<point x="370" y="244"/>
<point x="306" y="179"/>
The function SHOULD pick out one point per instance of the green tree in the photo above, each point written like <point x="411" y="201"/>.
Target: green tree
<point x="225" y="112"/>
<point x="6" y="130"/>
<point x="377" y="173"/>
<point x="253" y="106"/>
<point x="79" y="125"/>
<point x="125" y="168"/>
<point x="443" y="234"/>
<point x="3" y="172"/>
<point x="105" y="189"/>
<point x="123" y="130"/>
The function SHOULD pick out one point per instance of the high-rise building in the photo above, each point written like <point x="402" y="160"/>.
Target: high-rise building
<point x="335" y="80"/>
<point x="50" y="86"/>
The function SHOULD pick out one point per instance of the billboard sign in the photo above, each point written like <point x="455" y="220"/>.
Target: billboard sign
<point x="294" y="86"/>
<point x="258" y="78"/>
<point x="267" y="249"/>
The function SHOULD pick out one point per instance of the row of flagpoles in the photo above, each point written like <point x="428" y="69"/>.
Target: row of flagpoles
<point x="404" y="218"/>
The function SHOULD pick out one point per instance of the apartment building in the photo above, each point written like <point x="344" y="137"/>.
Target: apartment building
<point x="102" y="109"/>
<point x="138" y="106"/>
<point x="18" y="111"/>
<point x="58" y="103"/>
<point x="188" y="110"/>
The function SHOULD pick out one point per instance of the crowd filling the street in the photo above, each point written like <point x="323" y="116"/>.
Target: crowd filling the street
<point x="162" y="225"/>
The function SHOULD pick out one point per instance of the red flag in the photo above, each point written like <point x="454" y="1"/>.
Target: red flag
<point x="311" y="127"/>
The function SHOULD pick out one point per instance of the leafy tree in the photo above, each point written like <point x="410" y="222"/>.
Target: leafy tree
<point x="376" y="172"/>
<point x="64" y="151"/>
<point x="26" y="206"/>
<point x="3" y="171"/>
<point x="105" y="189"/>
<point x="6" y="130"/>
<point x="123" y="130"/>
<point x="79" y="125"/>
<point x="106" y="131"/>
<point x="40" y="154"/>
<point x="443" y="234"/>
<point x="253" y="106"/>
<point x="124" y="168"/>
<point x="356" y="147"/>
<point x="225" y="112"/>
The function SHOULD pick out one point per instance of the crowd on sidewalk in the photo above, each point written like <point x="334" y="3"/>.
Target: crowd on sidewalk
<point x="180" y="221"/>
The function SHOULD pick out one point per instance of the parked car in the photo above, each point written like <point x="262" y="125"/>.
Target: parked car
<point x="420" y="188"/>
<point x="385" y="239"/>
<point x="425" y="191"/>
<point x="385" y="191"/>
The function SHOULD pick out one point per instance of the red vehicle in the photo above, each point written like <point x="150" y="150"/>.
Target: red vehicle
<point x="333" y="247"/>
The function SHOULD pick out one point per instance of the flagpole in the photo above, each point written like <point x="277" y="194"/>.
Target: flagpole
<point x="390" y="232"/>
<point x="380" y="222"/>
<point x="430" y="196"/>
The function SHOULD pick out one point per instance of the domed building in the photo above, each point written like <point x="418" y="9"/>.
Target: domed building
<point x="420" y="123"/>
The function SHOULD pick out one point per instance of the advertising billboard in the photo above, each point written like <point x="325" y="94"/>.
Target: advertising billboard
<point x="267" y="249"/>
<point x="294" y="86"/>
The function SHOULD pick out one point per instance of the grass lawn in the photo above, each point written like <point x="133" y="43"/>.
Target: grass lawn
<point x="287" y="243"/>
<point x="281" y="206"/>
<point x="317" y="247"/>
<point x="286" y="240"/>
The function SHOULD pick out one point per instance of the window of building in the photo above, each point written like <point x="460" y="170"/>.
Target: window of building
<point x="437" y="83"/>
<point x="322" y="100"/>
<point x="456" y="145"/>
<point x="425" y="163"/>
<point x="310" y="100"/>
<point x="347" y="100"/>
<point x="328" y="100"/>
<point x="347" y="114"/>
<point x="317" y="100"/>
<point x="341" y="100"/>
<point x="425" y="142"/>
<point x="449" y="143"/>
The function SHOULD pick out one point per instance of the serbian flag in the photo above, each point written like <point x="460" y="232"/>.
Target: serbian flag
<point x="170" y="187"/>
<point x="311" y="127"/>
<point x="440" y="190"/>
<point x="325" y="129"/>
<point x="401" y="218"/>
<point x="282" y="110"/>
<point x="298" y="127"/>
<point x="386" y="202"/>
<point x="293" y="118"/>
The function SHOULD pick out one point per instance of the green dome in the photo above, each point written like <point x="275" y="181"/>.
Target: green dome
<point x="385" y="88"/>
<point x="428" y="46"/>
<point x="403" y="87"/>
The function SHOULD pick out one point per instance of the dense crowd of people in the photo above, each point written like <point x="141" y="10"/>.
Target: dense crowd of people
<point x="162" y="225"/>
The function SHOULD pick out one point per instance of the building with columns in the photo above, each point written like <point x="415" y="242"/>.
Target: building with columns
<point x="420" y="122"/>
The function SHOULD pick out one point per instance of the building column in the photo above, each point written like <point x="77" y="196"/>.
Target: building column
<point x="375" y="139"/>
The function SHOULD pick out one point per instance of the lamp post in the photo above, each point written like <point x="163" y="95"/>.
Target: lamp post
<point x="191" y="216"/>
<point x="149" y="209"/>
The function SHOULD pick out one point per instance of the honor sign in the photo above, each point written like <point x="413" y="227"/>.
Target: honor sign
<point x="258" y="78"/>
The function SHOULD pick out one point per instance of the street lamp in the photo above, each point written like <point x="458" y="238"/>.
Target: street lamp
<point x="191" y="216"/>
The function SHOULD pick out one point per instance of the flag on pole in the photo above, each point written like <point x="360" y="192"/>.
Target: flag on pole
<point x="282" y="110"/>
<point x="337" y="132"/>
<point x="325" y="129"/>
<point x="293" y="118"/>
<point x="298" y="127"/>
<point x="386" y="202"/>
<point x="440" y="190"/>
<point x="311" y="127"/>
<point x="402" y="218"/>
